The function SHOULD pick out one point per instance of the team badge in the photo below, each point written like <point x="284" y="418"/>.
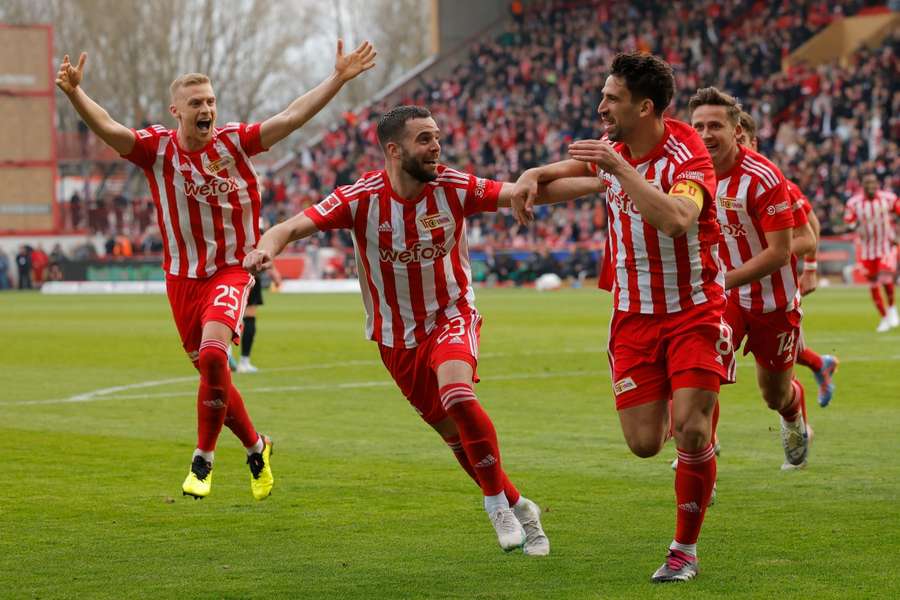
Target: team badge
<point x="435" y="221"/>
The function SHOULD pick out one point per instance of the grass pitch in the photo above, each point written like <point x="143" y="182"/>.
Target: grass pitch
<point x="97" y="425"/>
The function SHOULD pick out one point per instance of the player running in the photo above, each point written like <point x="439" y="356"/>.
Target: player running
<point x="823" y="366"/>
<point x="872" y="213"/>
<point x="407" y="222"/>
<point x="758" y="245"/>
<point x="207" y="200"/>
<point x="667" y="335"/>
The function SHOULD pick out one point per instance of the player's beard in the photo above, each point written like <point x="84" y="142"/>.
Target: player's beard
<point x="414" y="169"/>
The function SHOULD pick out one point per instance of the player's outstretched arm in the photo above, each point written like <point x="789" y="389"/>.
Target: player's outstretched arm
<point x="304" y="108"/>
<point x="114" y="134"/>
<point x="672" y="213"/>
<point x="772" y="258"/>
<point x="524" y="194"/>
<point x="273" y="241"/>
<point x="558" y="190"/>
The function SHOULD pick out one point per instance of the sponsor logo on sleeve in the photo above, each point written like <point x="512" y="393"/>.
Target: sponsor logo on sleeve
<point x="691" y="175"/>
<point x="480" y="187"/>
<point x="327" y="205"/>
<point x="780" y="207"/>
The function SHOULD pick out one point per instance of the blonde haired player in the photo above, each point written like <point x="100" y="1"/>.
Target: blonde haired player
<point x="207" y="200"/>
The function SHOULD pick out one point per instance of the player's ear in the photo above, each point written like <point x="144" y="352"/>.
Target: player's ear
<point x="173" y="110"/>
<point x="738" y="131"/>
<point x="646" y="107"/>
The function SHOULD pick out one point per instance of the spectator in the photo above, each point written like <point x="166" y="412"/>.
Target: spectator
<point x="4" y="271"/>
<point x="23" y="265"/>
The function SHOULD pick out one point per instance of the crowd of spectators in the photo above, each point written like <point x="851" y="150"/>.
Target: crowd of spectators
<point x="519" y="98"/>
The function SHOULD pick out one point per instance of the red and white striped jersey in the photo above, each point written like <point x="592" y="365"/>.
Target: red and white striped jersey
<point x="411" y="255"/>
<point x="874" y="218"/>
<point x="751" y="200"/>
<point x="654" y="273"/>
<point x="207" y="202"/>
<point x="800" y="202"/>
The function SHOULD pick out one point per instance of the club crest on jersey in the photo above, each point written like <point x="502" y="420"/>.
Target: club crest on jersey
<point x="730" y="203"/>
<point x="435" y="221"/>
<point x="214" y="166"/>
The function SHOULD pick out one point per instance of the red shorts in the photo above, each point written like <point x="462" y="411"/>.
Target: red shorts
<point x="415" y="369"/>
<point x="650" y="356"/>
<point x="221" y="297"/>
<point x="885" y="266"/>
<point x="773" y="338"/>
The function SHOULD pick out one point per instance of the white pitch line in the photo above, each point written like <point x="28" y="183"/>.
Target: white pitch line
<point x="296" y="388"/>
<point x="108" y="393"/>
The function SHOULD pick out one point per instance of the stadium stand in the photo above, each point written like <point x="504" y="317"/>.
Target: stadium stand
<point x="522" y="94"/>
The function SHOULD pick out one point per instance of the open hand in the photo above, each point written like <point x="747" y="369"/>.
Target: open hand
<point x="68" y="77"/>
<point x="349" y="66"/>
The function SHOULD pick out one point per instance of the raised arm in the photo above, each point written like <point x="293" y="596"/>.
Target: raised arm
<point x="301" y="110"/>
<point x="273" y="241"/>
<point x="557" y="190"/>
<point x="114" y="134"/>
<point x="525" y="192"/>
<point x="671" y="213"/>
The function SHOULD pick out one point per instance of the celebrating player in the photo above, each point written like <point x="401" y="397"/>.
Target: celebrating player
<point x="408" y="227"/>
<point x="823" y="366"/>
<point x="872" y="213"/>
<point x="667" y="337"/>
<point x="757" y="219"/>
<point x="207" y="200"/>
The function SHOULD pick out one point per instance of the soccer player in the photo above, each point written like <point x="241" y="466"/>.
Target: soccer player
<point x="207" y="200"/>
<point x="823" y="366"/>
<point x="667" y="335"/>
<point x="757" y="219"/>
<point x="872" y="214"/>
<point x="407" y="222"/>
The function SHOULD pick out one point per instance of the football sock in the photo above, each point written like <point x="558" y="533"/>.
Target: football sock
<point x="496" y="502"/>
<point x="477" y="433"/>
<point x="876" y="298"/>
<point x="212" y="399"/>
<point x="456" y="446"/>
<point x="512" y="494"/>
<point x="808" y="358"/>
<point x="800" y="394"/>
<point x="237" y="419"/>
<point x="686" y="548"/>
<point x="695" y="477"/>
<point x="792" y="411"/>
<point x="207" y="456"/>
<point x="889" y="292"/>
<point x="247" y="336"/>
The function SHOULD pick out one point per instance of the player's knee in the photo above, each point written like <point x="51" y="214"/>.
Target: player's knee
<point x="777" y="396"/>
<point x="693" y="433"/>
<point x="213" y="366"/>
<point x="644" y="447"/>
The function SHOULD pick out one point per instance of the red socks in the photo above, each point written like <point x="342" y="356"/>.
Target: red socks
<point x="237" y="419"/>
<point x="793" y="410"/>
<point x="889" y="292"/>
<point x="876" y="298"/>
<point x="478" y="439"/>
<point x="810" y="359"/>
<point x="218" y="401"/>
<point x="215" y="379"/>
<point x="695" y="477"/>
<point x="800" y="394"/>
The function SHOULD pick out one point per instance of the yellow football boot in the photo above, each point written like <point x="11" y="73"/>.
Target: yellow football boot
<point x="199" y="479"/>
<point x="261" y="478"/>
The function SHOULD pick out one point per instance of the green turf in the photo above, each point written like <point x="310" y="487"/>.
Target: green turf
<point x="369" y="503"/>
